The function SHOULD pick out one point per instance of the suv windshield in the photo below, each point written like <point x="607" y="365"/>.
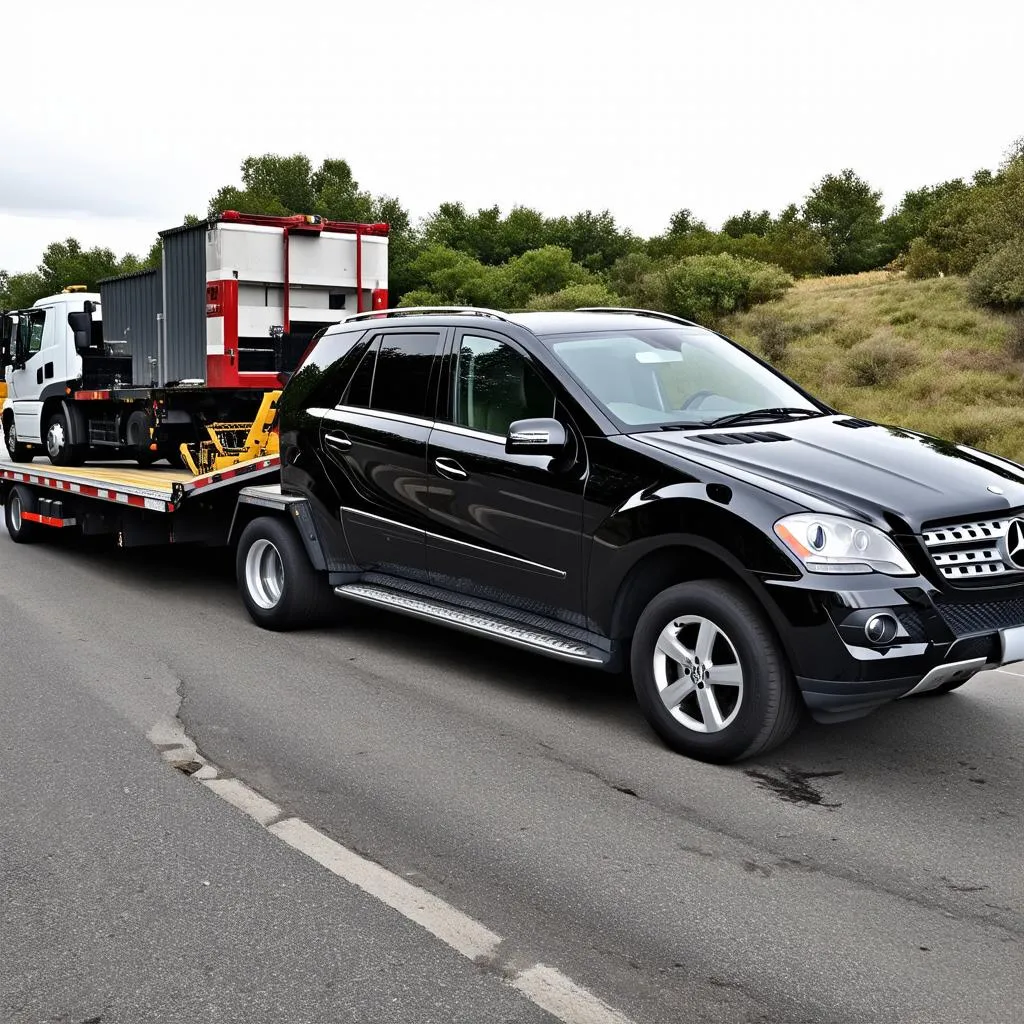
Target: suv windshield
<point x="673" y="376"/>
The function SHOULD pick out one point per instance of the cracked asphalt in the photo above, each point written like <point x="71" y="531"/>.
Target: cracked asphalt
<point x="865" y="872"/>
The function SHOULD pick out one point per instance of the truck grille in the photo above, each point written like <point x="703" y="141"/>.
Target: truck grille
<point x="968" y="550"/>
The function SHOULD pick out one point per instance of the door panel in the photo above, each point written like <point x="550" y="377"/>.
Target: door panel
<point x="374" y="444"/>
<point x="505" y="527"/>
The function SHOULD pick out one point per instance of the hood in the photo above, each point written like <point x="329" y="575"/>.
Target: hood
<point x="886" y="473"/>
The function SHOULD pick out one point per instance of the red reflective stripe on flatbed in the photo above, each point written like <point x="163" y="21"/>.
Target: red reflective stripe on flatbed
<point x="35" y="517"/>
<point x="91" y="396"/>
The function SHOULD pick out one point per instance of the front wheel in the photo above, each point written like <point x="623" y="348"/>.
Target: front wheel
<point x="280" y="588"/>
<point x="18" y="452"/>
<point x="58" y="443"/>
<point x="709" y="674"/>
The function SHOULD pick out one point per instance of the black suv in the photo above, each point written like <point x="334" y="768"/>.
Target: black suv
<point x="624" y="488"/>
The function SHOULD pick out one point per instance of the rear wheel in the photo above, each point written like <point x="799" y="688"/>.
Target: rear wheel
<point x="18" y="452"/>
<point x="137" y="438"/>
<point x="280" y="588"/>
<point x="709" y="674"/>
<point x="58" y="443"/>
<point x="19" y="501"/>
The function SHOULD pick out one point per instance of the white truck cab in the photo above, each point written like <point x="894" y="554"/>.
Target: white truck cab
<point x="43" y="349"/>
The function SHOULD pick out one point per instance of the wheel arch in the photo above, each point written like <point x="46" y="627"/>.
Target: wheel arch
<point x="681" y="561"/>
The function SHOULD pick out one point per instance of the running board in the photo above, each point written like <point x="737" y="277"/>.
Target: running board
<point x="480" y="623"/>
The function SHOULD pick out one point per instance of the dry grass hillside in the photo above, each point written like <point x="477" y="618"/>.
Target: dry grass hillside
<point x="902" y="352"/>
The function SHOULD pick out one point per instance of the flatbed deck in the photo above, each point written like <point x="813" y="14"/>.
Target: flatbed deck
<point x="158" y="488"/>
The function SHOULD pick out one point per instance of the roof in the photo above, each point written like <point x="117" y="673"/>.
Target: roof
<point x="128" y="277"/>
<point x="297" y="220"/>
<point x="578" y="321"/>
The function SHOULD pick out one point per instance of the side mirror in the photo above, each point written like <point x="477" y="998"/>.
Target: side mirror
<point x="536" y="437"/>
<point x="81" y="326"/>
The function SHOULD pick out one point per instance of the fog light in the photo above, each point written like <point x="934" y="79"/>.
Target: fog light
<point x="881" y="629"/>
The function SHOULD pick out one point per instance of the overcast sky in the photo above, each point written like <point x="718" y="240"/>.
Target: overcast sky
<point x="119" y="118"/>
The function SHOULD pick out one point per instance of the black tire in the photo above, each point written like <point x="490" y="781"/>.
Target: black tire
<point x="19" y="500"/>
<point x="136" y="437"/>
<point x="15" y="449"/>
<point x="766" y="707"/>
<point x="279" y="587"/>
<point x="59" y="449"/>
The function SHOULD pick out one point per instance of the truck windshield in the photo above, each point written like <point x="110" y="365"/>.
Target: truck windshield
<point x="680" y="376"/>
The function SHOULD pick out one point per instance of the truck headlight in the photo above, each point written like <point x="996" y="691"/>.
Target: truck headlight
<point x="832" y="544"/>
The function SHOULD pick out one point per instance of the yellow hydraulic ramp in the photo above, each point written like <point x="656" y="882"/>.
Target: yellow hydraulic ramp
<point x="232" y="443"/>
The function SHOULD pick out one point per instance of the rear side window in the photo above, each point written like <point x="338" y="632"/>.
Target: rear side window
<point x="394" y="375"/>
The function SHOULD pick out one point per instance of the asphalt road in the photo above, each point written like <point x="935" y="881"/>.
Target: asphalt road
<point x="865" y="872"/>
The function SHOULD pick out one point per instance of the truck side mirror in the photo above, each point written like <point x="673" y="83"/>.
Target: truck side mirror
<point x="81" y="326"/>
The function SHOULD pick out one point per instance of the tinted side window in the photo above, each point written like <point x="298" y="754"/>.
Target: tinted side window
<point x="401" y="378"/>
<point x="495" y="386"/>
<point x="357" y="394"/>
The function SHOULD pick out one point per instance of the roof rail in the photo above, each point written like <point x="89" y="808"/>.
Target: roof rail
<point x="427" y="311"/>
<point x="636" y="312"/>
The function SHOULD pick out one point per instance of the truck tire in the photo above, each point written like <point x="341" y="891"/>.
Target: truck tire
<point x="709" y="674"/>
<point x="280" y="588"/>
<point x="59" y="448"/>
<point x="136" y="435"/>
<point x="19" y="501"/>
<point x="18" y="452"/>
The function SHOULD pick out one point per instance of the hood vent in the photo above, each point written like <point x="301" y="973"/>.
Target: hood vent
<point x="752" y="437"/>
<point x="853" y="424"/>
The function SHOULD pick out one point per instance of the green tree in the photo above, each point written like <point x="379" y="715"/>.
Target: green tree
<point x="848" y="214"/>
<point x="748" y="223"/>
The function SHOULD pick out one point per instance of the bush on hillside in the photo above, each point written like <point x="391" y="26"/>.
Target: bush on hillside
<point x="708" y="288"/>
<point x="879" y="360"/>
<point x="924" y="260"/>
<point x="998" y="280"/>
<point x="575" y="296"/>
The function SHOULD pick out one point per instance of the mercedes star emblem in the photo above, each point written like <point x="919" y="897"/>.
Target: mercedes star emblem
<point x="1013" y="544"/>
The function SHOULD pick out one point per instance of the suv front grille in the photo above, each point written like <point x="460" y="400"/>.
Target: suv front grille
<point x="964" y="618"/>
<point x="968" y="550"/>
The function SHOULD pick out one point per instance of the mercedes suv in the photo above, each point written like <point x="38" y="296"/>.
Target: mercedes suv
<point x="628" y="490"/>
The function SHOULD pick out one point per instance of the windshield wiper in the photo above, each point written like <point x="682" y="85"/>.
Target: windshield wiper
<point x="753" y="415"/>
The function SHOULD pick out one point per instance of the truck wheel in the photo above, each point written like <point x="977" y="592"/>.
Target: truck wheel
<point x="58" y="443"/>
<point x="19" y="501"/>
<point x="18" y="452"/>
<point x="136" y="436"/>
<point x="709" y="674"/>
<point x="280" y="588"/>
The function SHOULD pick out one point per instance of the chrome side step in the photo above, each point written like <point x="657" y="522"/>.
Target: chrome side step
<point x="480" y="623"/>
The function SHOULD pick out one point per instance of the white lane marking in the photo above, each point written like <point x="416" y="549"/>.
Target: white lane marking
<point x="239" y="795"/>
<point x="543" y="985"/>
<point x="451" y="926"/>
<point x="1009" y="672"/>
<point x="551" y="990"/>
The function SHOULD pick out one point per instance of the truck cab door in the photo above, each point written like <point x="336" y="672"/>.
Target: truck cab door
<point x="35" y="369"/>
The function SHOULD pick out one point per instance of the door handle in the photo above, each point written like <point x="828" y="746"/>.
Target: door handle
<point x="341" y="443"/>
<point x="450" y="468"/>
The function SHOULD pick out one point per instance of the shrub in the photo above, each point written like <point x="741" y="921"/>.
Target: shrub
<point x="1015" y="339"/>
<point x="774" y="333"/>
<point x="707" y="288"/>
<point x="576" y="295"/>
<point x="998" y="280"/>
<point x="924" y="260"/>
<point x="879" y="360"/>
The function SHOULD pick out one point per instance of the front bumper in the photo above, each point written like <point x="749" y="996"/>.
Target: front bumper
<point x="945" y="636"/>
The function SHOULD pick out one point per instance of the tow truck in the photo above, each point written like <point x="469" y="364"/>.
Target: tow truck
<point x="180" y="362"/>
<point x="183" y="365"/>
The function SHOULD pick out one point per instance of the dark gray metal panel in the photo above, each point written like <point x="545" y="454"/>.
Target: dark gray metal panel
<point x="184" y="276"/>
<point x="130" y="307"/>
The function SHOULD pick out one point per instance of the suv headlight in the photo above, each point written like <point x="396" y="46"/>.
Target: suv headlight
<point x="837" y="545"/>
